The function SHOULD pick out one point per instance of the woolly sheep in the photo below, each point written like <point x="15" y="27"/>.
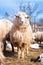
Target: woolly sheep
<point x="5" y="27"/>
<point x="38" y="36"/>
<point x="21" y="33"/>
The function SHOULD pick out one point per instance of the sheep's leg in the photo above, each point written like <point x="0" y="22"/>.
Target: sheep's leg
<point x="27" y="51"/>
<point x="23" y="54"/>
<point x="12" y="48"/>
<point x="19" y="53"/>
<point x="2" y="58"/>
<point x="4" y="46"/>
<point x="2" y="61"/>
<point x="22" y="51"/>
<point x="40" y="42"/>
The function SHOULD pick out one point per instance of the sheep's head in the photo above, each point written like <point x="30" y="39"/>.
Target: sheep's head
<point x="22" y="18"/>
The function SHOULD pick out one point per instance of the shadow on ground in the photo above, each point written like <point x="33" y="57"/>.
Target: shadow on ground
<point x="10" y="53"/>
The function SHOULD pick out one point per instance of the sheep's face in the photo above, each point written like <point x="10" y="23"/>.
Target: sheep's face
<point x="21" y="18"/>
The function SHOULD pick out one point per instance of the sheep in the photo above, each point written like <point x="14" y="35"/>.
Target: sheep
<point x="21" y="33"/>
<point x="38" y="37"/>
<point x="2" y="57"/>
<point x="38" y="59"/>
<point x="5" y="27"/>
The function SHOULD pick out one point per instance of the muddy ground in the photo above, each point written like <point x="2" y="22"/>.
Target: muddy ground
<point x="11" y="58"/>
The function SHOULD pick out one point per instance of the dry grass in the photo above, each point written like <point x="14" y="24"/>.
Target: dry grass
<point x="11" y="59"/>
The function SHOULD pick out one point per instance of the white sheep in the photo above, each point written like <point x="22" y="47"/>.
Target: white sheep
<point x="38" y="36"/>
<point x="5" y="27"/>
<point x="21" y="33"/>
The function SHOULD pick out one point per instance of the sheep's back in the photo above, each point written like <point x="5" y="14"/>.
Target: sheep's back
<point x="39" y="36"/>
<point x="5" y="26"/>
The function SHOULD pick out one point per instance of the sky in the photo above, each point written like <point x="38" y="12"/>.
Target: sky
<point x="12" y="7"/>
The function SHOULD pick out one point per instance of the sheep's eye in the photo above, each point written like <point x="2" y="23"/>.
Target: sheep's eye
<point x="17" y="16"/>
<point x="27" y="17"/>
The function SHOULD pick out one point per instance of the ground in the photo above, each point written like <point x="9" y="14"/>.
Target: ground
<point x="11" y="59"/>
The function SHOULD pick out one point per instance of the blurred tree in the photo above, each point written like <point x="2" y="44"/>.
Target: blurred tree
<point x="6" y="15"/>
<point x="30" y="9"/>
<point x="41" y="21"/>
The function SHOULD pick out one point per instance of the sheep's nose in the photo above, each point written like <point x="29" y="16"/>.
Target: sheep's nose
<point x="22" y="19"/>
<point x="22" y="22"/>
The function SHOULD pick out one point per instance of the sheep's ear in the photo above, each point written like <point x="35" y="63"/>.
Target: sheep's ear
<point x="27" y="17"/>
<point x="17" y="16"/>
